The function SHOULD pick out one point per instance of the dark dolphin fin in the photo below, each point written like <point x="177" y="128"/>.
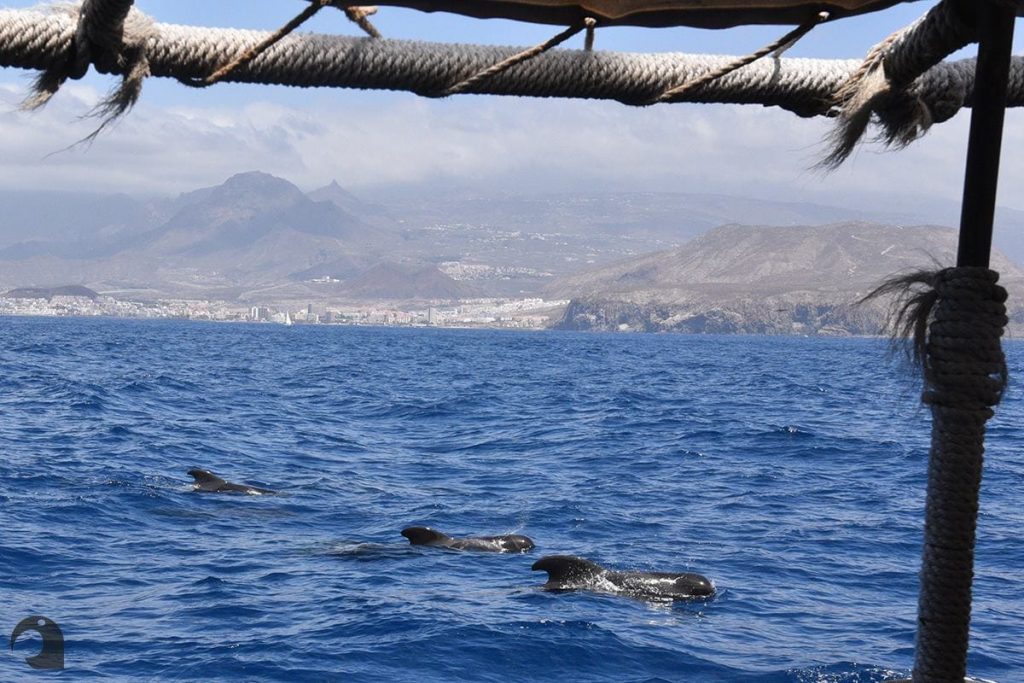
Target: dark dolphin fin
<point x="567" y="569"/>
<point x="424" y="535"/>
<point x="52" y="654"/>
<point x="206" y="481"/>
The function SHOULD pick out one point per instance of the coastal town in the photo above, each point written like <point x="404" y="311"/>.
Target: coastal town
<point x="530" y="313"/>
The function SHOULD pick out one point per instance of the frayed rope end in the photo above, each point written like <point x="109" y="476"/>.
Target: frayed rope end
<point x="948" y="322"/>
<point x="903" y="117"/>
<point x="910" y="311"/>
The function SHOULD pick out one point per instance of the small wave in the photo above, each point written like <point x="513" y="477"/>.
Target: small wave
<point x="845" y="672"/>
<point x="418" y="409"/>
<point x="790" y="431"/>
<point x="210" y="581"/>
<point x="91" y="404"/>
<point x="368" y="551"/>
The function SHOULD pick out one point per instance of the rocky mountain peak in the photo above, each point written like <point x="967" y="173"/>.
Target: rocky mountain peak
<point x="256" y="190"/>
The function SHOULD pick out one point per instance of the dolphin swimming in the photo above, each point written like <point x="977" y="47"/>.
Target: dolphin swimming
<point x="209" y="482"/>
<point x="511" y="543"/>
<point x="566" y="572"/>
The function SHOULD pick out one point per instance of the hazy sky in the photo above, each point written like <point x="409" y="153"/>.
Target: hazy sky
<point x="178" y="138"/>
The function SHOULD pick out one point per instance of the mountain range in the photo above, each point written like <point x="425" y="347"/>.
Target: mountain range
<point x="259" y="239"/>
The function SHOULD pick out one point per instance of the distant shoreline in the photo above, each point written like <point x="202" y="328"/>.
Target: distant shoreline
<point x="528" y="313"/>
<point x="270" y="325"/>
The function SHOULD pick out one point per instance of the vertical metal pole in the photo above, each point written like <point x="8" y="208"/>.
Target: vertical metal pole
<point x="955" y="462"/>
<point x="977" y="212"/>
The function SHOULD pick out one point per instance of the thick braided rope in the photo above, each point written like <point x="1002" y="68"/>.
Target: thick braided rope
<point x="777" y="47"/>
<point x="35" y="39"/>
<point x="928" y="41"/>
<point x="965" y="374"/>
<point x="880" y="86"/>
<point x="247" y="56"/>
<point x="506" y="64"/>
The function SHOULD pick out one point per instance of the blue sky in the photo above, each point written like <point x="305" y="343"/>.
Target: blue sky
<point x="179" y="138"/>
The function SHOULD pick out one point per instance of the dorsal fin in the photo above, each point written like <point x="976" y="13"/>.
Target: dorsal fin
<point x="206" y="480"/>
<point x="424" y="535"/>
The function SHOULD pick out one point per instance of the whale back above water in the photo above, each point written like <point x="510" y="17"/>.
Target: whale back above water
<point x="566" y="572"/>
<point x="509" y="543"/>
<point x="208" y="482"/>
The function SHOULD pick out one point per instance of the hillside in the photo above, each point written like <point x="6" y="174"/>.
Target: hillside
<point x="50" y="292"/>
<point x="258" y="239"/>
<point x="743" y="279"/>
<point x="252" y="231"/>
<point x="401" y="282"/>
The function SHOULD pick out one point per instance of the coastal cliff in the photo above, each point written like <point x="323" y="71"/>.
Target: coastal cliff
<point x="760" y="280"/>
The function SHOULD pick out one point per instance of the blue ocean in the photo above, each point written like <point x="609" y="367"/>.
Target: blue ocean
<point x="789" y="471"/>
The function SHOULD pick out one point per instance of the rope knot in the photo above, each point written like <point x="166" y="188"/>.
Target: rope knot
<point x="100" y="36"/>
<point x="883" y="86"/>
<point x="112" y="36"/>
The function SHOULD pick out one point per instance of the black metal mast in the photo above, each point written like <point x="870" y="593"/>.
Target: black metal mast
<point x="964" y="371"/>
<point x="995" y="42"/>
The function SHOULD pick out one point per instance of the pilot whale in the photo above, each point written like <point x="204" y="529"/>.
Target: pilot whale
<point x="209" y="482"/>
<point x="566" y="572"/>
<point x="511" y="543"/>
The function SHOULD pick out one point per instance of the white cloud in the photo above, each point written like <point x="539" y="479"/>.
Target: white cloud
<point x="366" y="141"/>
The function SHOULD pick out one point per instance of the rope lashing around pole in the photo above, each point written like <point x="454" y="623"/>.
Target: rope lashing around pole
<point x="956" y="321"/>
<point x="881" y="86"/>
<point x="965" y="375"/>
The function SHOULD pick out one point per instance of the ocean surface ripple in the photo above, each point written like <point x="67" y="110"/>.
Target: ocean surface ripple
<point x="790" y="471"/>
